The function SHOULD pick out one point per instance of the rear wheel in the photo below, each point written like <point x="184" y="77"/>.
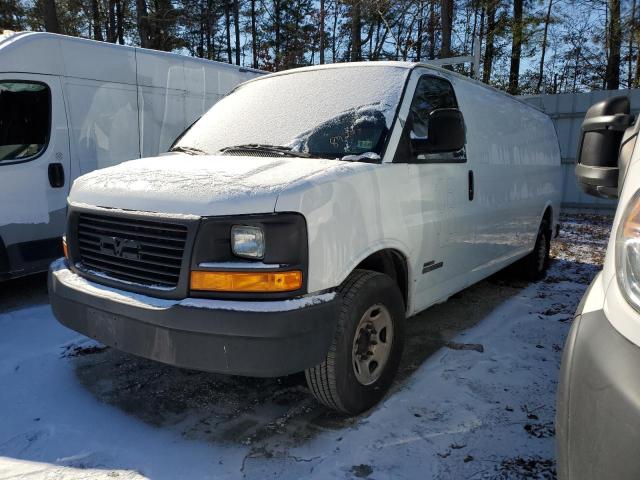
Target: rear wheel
<point x="534" y="266"/>
<point x="365" y="353"/>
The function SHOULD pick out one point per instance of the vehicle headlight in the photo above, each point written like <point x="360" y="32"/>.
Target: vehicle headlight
<point x="628" y="252"/>
<point x="247" y="241"/>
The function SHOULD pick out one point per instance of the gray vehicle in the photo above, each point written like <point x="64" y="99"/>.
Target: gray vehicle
<point x="598" y="410"/>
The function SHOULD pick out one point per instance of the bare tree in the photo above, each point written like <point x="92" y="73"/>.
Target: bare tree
<point x="356" y="31"/>
<point x="321" y="39"/>
<point x="543" y="47"/>
<point x="516" y="47"/>
<point x="419" y="33"/>
<point x="614" y="39"/>
<point x="95" y="15"/>
<point x="142" y="15"/>
<point x="51" y="23"/>
<point x="227" y="29"/>
<point x="632" y="33"/>
<point x="236" y="27"/>
<point x="487" y="65"/>
<point x="431" y="29"/>
<point x="446" y="20"/>
<point x="254" y="34"/>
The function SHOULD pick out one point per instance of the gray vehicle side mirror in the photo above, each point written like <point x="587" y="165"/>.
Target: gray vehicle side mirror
<point x="604" y="124"/>
<point x="446" y="133"/>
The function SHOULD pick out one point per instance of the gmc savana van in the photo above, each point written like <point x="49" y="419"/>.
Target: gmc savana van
<point x="303" y="217"/>
<point x="69" y="106"/>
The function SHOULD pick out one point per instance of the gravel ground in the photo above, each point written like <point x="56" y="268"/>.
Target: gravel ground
<point x="474" y="398"/>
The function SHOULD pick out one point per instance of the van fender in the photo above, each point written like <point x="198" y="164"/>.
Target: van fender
<point x="383" y="244"/>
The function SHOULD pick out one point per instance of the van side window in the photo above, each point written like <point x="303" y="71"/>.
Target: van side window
<point x="431" y="94"/>
<point x="25" y="119"/>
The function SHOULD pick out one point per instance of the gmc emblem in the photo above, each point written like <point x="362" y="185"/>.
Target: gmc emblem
<point x="120" y="247"/>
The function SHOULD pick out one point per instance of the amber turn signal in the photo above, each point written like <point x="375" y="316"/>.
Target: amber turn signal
<point x="259" y="282"/>
<point x="65" y="249"/>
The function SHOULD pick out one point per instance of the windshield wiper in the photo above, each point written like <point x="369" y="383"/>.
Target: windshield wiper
<point x="189" y="150"/>
<point x="259" y="147"/>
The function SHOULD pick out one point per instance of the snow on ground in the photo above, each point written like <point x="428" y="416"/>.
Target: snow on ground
<point x="474" y="398"/>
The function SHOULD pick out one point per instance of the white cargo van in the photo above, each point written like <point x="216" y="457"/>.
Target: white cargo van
<point x="306" y="215"/>
<point x="598" y="405"/>
<point x="69" y="106"/>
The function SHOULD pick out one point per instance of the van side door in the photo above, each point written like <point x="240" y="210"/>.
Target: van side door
<point x="438" y="205"/>
<point x="34" y="172"/>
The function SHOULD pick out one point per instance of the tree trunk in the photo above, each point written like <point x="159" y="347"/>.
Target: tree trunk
<point x="636" y="77"/>
<point x="516" y="47"/>
<point x="334" y="46"/>
<point x="420" y="29"/>
<point x="51" y="23"/>
<point x="143" y="23"/>
<point x="487" y="64"/>
<point x="254" y="34"/>
<point x="432" y="29"/>
<point x="321" y="39"/>
<point x="446" y="20"/>
<point x="120" y="13"/>
<point x="632" y="32"/>
<point x="544" y="46"/>
<point x="612" y="77"/>
<point x="236" y="26"/>
<point x="95" y="15"/>
<point x="227" y="26"/>
<point x="111" y="28"/>
<point x="276" y="47"/>
<point x="356" y="31"/>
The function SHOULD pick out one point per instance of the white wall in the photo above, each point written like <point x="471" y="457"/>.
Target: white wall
<point x="567" y="111"/>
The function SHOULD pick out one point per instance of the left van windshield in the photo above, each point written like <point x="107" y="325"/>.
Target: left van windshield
<point x="324" y="112"/>
<point x="25" y="119"/>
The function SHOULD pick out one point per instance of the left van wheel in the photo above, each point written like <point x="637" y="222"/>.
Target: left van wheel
<point x="365" y="353"/>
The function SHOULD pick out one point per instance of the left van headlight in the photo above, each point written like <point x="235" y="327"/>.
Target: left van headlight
<point x="628" y="252"/>
<point x="247" y="241"/>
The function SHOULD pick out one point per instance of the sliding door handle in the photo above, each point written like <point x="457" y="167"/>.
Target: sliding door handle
<point x="471" y="185"/>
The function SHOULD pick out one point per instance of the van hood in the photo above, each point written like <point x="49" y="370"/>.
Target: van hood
<point x="203" y="185"/>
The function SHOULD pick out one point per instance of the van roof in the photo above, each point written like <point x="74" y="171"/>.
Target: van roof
<point x="406" y="65"/>
<point x="53" y="54"/>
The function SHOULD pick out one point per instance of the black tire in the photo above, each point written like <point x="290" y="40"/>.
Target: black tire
<point x="534" y="266"/>
<point x="334" y="382"/>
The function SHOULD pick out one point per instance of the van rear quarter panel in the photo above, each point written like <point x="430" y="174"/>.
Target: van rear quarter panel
<point x="514" y="153"/>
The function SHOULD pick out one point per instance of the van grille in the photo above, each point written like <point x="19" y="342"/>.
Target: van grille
<point x="139" y="251"/>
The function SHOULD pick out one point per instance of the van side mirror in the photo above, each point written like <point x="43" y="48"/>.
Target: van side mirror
<point x="446" y="133"/>
<point x="597" y="168"/>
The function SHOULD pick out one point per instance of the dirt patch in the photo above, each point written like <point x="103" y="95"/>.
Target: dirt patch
<point x="532" y="467"/>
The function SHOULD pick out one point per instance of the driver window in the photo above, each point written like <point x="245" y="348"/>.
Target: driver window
<point x="25" y="117"/>
<point x="431" y="94"/>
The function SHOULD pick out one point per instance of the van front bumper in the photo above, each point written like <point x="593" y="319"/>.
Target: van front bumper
<point x="598" y="404"/>
<point x="263" y="339"/>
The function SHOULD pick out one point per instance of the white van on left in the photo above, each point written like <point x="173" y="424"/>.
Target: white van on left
<point x="69" y="106"/>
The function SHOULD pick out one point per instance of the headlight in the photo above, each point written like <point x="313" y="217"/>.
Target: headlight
<point x="247" y="242"/>
<point x="628" y="252"/>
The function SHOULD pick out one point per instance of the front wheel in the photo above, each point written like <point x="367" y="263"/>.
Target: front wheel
<point x="365" y="353"/>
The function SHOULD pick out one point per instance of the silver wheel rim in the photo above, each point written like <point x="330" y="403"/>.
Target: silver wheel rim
<point x="542" y="252"/>
<point x="372" y="344"/>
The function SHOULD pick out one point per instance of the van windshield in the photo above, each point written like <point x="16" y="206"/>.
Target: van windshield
<point x="328" y="113"/>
